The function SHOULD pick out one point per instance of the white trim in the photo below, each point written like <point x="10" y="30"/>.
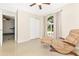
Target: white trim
<point x="58" y="24"/>
<point x="16" y="27"/>
<point x="1" y="29"/>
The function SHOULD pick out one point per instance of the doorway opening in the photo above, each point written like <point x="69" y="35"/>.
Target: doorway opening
<point x="8" y="28"/>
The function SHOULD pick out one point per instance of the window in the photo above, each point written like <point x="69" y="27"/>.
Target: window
<point x="50" y="25"/>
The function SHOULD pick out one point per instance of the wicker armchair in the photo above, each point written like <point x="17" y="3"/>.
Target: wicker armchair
<point x="64" y="46"/>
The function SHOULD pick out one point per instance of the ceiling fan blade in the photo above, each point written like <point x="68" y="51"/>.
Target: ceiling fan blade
<point x="33" y="4"/>
<point x="40" y="6"/>
<point x="46" y="3"/>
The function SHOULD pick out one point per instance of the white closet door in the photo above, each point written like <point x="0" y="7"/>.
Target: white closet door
<point x="1" y="28"/>
<point x="34" y="28"/>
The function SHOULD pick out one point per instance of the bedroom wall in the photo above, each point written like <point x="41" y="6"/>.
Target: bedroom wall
<point x="24" y="25"/>
<point x="69" y="18"/>
<point x="1" y="32"/>
<point x="6" y="12"/>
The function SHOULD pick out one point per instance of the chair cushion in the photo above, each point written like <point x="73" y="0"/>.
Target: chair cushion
<point x="70" y="40"/>
<point x="62" y="47"/>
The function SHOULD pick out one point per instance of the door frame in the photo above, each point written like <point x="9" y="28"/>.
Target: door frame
<point x="58" y="24"/>
<point x="1" y="28"/>
<point x="15" y="30"/>
<point x="46" y="17"/>
<point x="16" y="26"/>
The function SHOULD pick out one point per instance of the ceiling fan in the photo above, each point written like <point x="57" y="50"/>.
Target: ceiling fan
<point x="39" y="4"/>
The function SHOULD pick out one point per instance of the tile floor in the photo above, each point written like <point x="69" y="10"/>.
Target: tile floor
<point x="30" y="48"/>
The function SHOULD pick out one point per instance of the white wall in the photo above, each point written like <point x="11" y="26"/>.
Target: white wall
<point x="58" y="24"/>
<point x="24" y="25"/>
<point x="10" y="13"/>
<point x="1" y="28"/>
<point x="34" y="25"/>
<point x="69" y="18"/>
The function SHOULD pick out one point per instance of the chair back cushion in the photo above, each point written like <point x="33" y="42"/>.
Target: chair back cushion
<point x="73" y="37"/>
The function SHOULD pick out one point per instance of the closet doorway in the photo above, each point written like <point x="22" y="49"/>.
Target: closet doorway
<point x="8" y="28"/>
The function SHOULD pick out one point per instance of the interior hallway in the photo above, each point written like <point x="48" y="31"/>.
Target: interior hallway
<point x="30" y="48"/>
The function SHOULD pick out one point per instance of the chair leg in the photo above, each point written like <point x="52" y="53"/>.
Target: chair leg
<point x="74" y="53"/>
<point x="52" y="49"/>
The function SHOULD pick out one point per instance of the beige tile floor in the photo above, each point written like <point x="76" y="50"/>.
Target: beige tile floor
<point x="30" y="48"/>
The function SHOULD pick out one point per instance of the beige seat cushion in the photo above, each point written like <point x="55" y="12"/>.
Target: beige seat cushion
<point x="62" y="47"/>
<point x="72" y="38"/>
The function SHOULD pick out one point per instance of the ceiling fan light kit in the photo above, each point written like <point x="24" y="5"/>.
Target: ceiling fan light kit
<point x="39" y="4"/>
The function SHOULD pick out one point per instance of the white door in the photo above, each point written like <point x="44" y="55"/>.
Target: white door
<point x="34" y="28"/>
<point x="1" y="28"/>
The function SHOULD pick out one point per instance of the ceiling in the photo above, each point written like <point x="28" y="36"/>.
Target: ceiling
<point x="46" y="9"/>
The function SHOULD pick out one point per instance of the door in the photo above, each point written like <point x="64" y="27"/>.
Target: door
<point x="1" y="28"/>
<point x="34" y="28"/>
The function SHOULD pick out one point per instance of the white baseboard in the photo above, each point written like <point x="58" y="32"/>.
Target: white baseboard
<point x="22" y="41"/>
